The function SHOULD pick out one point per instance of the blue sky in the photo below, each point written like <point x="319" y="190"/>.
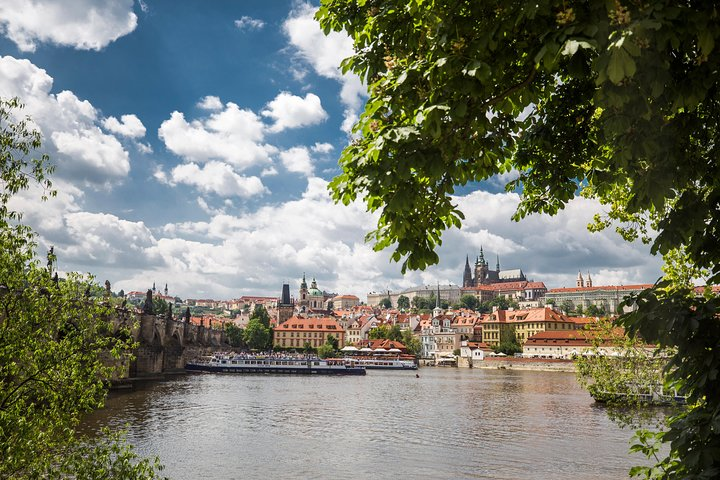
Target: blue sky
<point x="194" y="141"/>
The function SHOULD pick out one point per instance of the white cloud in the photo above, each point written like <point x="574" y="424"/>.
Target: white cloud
<point x="210" y="103"/>
<point x="325" y="53"/>
<point x="127" y="126"/>
<point x="82" y="24"/>
<point x="322" y="147"/>
<point x="91" y="147"/>
<point x="144" y="148"/>
<point x="297" y="159"/>
<point x="269" y="172"/>
<point x="69" y="126"/>
<point x="249" y="23"/>
<point x="232" y="135"/>
<point x="290" y="111"/>
<point x="214" y="177"/>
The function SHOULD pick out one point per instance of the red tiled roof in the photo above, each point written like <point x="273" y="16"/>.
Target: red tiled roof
<point x="495" y="287"/>
<point x="316" y="324"/>
<point x="593" y="289"/>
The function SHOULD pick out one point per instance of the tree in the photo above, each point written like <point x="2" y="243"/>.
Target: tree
<point x="325" y="350"/>
<point x="256" y="335"/>
<point x="403" y="302"/>
<point x="381" y="331"/>
<point x="411" y="342"/>
<point x="509" y="344"/>
<point x="386" y="303"/>
<point x="235" y="335"/>
<point x="59" y="344"/>
<point x="469" y="301"/>
<point x="567" y="306"/>
<point x="260" y="313"/>
<point x="612" y="101"/>
<point x="394" y="333"/>
<point x="332" y="341"/>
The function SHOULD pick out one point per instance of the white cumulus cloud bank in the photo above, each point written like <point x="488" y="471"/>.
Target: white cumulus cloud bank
<point x="297" y="160"/>
<point x="231" y="135"/>
<point x="324" y="53"/>
<point x="291" y="111"/>
<point x="127" y="126"/>
<point x="214" y="177"/>
<point x="81" y="24"/>
<point x="70" y="127"/>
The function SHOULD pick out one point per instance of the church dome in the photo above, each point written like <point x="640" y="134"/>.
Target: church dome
<point x="314" y="292"/>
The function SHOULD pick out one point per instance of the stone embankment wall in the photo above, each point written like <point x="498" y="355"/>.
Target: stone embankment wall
<point x="538" y="364"/>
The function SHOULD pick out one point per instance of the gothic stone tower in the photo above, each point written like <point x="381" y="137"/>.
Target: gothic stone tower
<point x="467" y="274"/>
<point x="481" y="269"/>
<point x="285" y="305"/>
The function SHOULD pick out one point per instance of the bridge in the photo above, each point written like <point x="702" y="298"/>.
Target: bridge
<point x="165" y="344"/>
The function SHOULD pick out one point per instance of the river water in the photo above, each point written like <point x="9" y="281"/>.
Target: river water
<point x="447" y="424"/>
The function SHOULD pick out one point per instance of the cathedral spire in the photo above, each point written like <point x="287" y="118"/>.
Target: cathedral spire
<point x="467" y="274"/>
<point x="497" y="265"/>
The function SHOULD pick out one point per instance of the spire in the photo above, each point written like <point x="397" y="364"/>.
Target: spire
<point x="580" y="281"/>
<point x="467" y="273"/>
<point x="588" y="283"/>
<point x="303" y="284"/>
<point x="482" y="255"/>
<point x="437" y="300"/>
<point x="497" y="266"/>
<point x="166" y="290"/>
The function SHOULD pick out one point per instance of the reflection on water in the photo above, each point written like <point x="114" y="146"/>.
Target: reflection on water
<point x="449" y="423"/>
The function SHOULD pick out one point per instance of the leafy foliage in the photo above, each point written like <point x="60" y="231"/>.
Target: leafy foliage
<point x="469" y="301"/>
<point x="403" y="302"/>
<point x="256" y="335"/>
<point x="612" y="100"/>
<point x="235" y="335"/>
<point x="57" y="341"/>
<point x="509" y="344"/>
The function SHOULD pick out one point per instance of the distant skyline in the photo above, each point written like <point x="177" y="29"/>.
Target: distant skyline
<point x="194" y="142"/>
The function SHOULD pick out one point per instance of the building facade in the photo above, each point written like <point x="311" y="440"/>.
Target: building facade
<point x="607" y="298"/>
<point x="297" y="332"/>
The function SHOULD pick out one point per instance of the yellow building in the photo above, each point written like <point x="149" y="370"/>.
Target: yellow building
<point x="296" y="332"/>
<point x="526" y="322"/>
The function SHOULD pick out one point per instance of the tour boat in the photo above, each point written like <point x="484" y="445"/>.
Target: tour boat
<point x="384" y="363"/>
<point x="228" y="363"/>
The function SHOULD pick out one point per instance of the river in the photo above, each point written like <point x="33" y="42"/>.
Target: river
<point x="447" y="424"/>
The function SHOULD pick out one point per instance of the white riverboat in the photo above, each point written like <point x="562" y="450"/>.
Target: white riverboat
<point x="384" y="363"/>
<point x="231" y="363"/>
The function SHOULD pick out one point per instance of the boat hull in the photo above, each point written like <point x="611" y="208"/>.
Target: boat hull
<point x="283" y="370"/>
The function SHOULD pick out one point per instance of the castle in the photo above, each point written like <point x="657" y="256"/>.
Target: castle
<point x="485" y="276"/>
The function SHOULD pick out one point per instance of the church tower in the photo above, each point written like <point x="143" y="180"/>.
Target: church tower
<point x="467" y="274"/>
<point x="285" y="306"/>
<point x="481" y="269"/>
<point x="588" y="283"/>
<point x="303" y="292"/>
<point x="580" y="282"/>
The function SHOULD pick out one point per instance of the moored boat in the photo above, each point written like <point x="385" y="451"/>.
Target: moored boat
<point x="384" y="363"/>
<point x="229" y="363"/>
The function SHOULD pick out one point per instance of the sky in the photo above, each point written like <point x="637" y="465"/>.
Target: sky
<point x="194" y="142"/>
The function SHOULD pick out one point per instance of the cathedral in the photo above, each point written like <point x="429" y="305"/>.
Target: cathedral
<point x="484" y="276"/>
